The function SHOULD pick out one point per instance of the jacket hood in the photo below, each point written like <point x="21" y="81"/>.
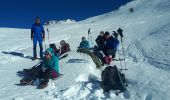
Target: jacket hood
<point x="50" y="51"/>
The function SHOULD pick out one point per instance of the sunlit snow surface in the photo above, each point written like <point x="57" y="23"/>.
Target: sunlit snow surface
<point x="147" y="49"/>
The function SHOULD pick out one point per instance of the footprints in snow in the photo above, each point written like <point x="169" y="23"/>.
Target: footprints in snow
<point x="86" y="88"/>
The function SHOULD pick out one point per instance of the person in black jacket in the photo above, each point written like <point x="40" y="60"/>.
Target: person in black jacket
<point x="100" y="40"/>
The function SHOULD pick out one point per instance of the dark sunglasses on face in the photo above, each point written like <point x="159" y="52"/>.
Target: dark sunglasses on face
<point x="37" y="20"/>
<point x="46" y="54"/>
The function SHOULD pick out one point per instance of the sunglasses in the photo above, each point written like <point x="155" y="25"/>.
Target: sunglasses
<point x="37" y="20"/>
<point x="47" y="54"/>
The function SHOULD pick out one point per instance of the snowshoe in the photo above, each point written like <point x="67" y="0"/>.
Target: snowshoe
<point x="42" y="84"/>
<point x="34" y="58"/>
<point x="25" y="82"/>
<point x="27" y="70"/>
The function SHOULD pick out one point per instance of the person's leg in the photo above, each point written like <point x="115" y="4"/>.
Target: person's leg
<point x="41" y="48"/>
<point x="34" y="48"/>
<point x="45" y="76"/>
<point x="36" y="72"/>
<point x="32" y="75"/>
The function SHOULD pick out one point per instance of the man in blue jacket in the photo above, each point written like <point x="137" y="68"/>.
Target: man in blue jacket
<point x="37" y="35"/>
<point x="111" y="45"/>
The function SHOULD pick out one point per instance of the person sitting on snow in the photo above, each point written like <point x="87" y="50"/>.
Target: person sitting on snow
<point x="84" y="43"/>
<point x="56" y="51"/>
<point x="64" y="47"/>
<point x="48" y="68"/>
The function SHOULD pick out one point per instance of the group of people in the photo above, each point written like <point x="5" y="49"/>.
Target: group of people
<point x="49" y="66"/>
<point x="38" y="35"/>
<point x="106" y="43"/>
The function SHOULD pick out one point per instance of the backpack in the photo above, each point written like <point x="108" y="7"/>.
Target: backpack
<point x="113" y="79"/>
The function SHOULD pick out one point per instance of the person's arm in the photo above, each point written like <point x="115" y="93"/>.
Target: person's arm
<point x="88" y="45"/>
<point x="80" y="46"/>
<point x="115" y="43"/>
<point x="32" y="32"/>
<point x="43" y="33"/>
<point x="56" y="64"/>
<point x="97" y="41"/>
<point x="68" y="47"/>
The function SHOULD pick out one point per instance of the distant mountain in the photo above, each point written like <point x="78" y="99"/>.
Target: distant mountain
<point x="53" y="22"/>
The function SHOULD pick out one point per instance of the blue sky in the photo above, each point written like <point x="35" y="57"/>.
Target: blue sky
<point x="21" y="13"/>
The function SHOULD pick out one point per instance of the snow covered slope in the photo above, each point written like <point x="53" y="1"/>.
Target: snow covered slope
<point x="147" y="49"/>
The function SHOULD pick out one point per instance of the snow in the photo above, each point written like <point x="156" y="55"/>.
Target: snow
<point x="147" y="54"/>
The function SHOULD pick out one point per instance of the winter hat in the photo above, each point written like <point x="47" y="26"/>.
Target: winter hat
<point x="101" y="32"/>
<point x="83" y="38"/>
<point x="49" y="51"/>
<point x="37" y="18"/>
<point x="107" y="33"/>
<point x="62" y="42"/>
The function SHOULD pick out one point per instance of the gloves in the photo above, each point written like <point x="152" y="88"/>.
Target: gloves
<point x="44" y="69"/>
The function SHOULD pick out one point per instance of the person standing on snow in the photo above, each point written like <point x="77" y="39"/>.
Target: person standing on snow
<point x="37" y="35"/>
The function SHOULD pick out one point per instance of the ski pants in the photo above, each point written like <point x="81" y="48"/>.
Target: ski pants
<point x="39" y="40"/>
<point x="40" y="74"/>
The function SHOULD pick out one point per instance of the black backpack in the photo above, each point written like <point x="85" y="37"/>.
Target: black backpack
<point x="113" y="79"/>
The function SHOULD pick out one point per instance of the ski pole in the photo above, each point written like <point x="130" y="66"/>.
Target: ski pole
<point x="91" y="40"/>
<point x="45" y="45"/>
<point x="120" y="60"/>
<point x="48" y="36"/>
<point x="90" y="36"/>
<point x="123" y="53"/>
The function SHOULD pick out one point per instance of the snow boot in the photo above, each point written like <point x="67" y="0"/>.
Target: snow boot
<point x="25" y="82"/>
<point x="43" y="84"/>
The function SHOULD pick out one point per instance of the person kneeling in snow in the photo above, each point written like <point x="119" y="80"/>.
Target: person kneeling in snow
<point x="47" y="69"/>
<point x="110" y="47"/>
